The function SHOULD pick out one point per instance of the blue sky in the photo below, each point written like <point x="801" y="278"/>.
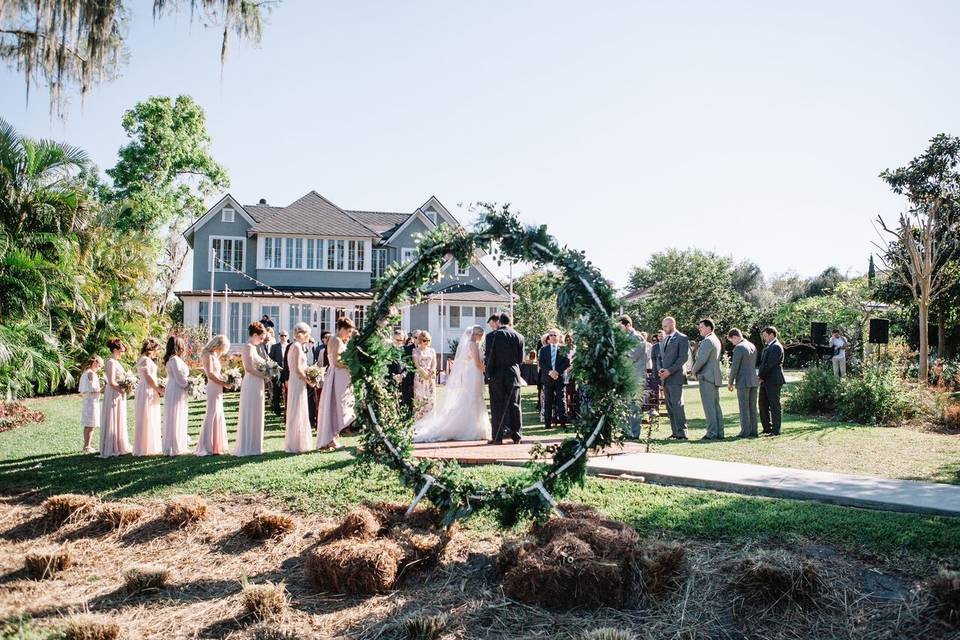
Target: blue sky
<point x="749" y="129"/>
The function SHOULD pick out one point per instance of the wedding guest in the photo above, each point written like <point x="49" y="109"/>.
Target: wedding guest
<point x="114" y="440"/>
<point x="553" y="364"/>
<point x="743" y="377"/>
<point x="770" y="373"/>
<point x="706" y="368"/>
<point x="424" y="384"/>
<point x="638" y="357"/>
<point x="250" y="418"/>
<point x="311" y="356"/>
<point x="322" y="349"/>
<point x="146" y="424"/>
<point x="572" y="392"/>
<point x="90" y="392"/>
<point x="531" y="358"/>
<point x="839" y="345"/>
<point x="335" y="411"/>
<point x="266" y="322"/>
<point x="174" y="438"/>
<point x="277" y="352"/>
<point x="213" y="435"/>
<point x="406" y="387"/>
<point x="674" y="352"/>
<point x="396" y="371"/>
<point x="297" y="438"/>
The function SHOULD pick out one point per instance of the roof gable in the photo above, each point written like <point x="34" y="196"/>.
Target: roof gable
<point x="212" y="211"/>
<point x="312" y="214"/>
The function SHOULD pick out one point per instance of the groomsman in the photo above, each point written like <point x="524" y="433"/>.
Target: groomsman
<point x="277" y="353"/>
<point x="673" y="358"/>
<point x="553" y="362"/>
<point x="771" y="378"/>
<point x="743" y="377"/>
<point x="707" y="369"/>
<point x="640" y="360"/>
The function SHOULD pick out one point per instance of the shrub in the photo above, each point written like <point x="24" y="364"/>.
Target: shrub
<point x="266" y="601"/>
<point x="89" y="627"/>
<point x="951" y="415"/>
<point x="44" y="563"/>
<point x="879" y="397"/>
<point x="816" y="393"/>
<point x="146" y="577"/>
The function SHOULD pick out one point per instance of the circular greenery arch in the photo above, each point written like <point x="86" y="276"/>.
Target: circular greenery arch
<point x="605" y="379"/>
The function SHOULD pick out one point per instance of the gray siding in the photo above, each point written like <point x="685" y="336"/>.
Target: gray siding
<point x="316" y="279"/>
<point x="201" y="254"/>
<point x="419" y="316"/>
<point x="405" y="239"/>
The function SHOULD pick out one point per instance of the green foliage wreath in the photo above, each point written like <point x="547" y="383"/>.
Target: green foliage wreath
<point x="606" y="381"/>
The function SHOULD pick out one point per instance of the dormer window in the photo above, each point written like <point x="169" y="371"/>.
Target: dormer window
<point x="227" y="214"/>
<point x="462" y="269"/>
<point x="432" y="215"/>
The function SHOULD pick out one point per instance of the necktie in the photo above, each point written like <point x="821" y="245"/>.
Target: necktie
<point x="553" y="357"/>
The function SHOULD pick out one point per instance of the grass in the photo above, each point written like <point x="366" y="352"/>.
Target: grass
<point x="44" y="457"/>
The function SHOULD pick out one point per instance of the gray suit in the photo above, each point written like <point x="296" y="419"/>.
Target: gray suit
<point x="743" y="375"/>
<point x="707" y="369"/>
<point x="673" y="356"/>
<point x="639" y="359"/>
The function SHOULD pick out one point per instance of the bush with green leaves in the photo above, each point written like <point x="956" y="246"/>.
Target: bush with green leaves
<point x="816" y="393"/>
<point x="880" y="396"/>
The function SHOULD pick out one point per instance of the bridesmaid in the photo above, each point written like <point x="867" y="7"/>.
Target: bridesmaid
<point x="213" y="436"/>
<point x="250" y="420"/>
<point x="114" y="440"/>
<point x="146" y="429"/>
<point x="175" y="438"/>
<point x="90" y="391"/>
<point x="297" y="438"/>
<point x="424" y="383"/>
<point x="335" y="408"/>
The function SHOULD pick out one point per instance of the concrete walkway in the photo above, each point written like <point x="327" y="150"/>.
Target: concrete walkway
<point x="779" y="482"/>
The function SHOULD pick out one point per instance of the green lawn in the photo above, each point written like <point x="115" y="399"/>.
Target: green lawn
<point x="45" y="458"/>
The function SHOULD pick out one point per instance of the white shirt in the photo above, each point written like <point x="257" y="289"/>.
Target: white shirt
<point x="839" y="345"/>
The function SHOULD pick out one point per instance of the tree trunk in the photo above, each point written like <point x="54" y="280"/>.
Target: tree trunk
<point x="941" y="337"/>
<point x="924" y="377"/>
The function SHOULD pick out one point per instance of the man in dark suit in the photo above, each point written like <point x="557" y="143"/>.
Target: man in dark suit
<point x="277" y="353"/>
<point x="674" y="352"/>
<point x="494" y="323"/>
<point x="502" y="359"/>
<point x="553" y="362"/>
<point x="406" y="386"/>
<point x="770" y="373"/>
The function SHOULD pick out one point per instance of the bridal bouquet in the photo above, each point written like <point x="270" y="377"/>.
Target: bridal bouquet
<point x="162" y="383"/>
<point x="127" y="383"/>
<point x="269" y="368"/>
<point x="233" y="376"/>
<point x="196" y="387"/>
<point x="315" y="375"/>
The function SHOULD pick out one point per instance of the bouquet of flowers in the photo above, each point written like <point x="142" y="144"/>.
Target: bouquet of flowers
<point x="162" y="383"/>
<point x="269" y="368"/>
<point x="127" y="383"/>
<point x="315" y="375"/>
<point x="196" y="387"/>
<point x="233" y="376"/>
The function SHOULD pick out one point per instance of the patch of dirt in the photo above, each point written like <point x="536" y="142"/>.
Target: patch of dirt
<point x="209" y="561"/>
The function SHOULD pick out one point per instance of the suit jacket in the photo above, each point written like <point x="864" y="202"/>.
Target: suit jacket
<point x="707" y="365"/>
<point x="655" y="357"/>
<point x="639" y="358"/>
<point x="673" y="356"/>
<point x="563" y="362"/>
<point x="278" y="353"/>
<point x="743" y="365"/>
<point x="771" y="364"/>
<point x="504" y="356"/>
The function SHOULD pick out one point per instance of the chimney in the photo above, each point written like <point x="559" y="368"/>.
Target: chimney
<point x="263" y="201"/>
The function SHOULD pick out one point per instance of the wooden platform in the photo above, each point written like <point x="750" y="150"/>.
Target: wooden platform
<point x="482" y="452"/>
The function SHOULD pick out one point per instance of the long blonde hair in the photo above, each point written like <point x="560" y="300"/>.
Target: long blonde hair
<point x="218" y="342"/>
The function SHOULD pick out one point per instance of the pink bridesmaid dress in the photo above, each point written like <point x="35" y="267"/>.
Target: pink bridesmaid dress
<point x="175" y="439"/>
<point x="114" y="440"/>
<point x="146" y="430"/>
<point x="297" y="439"/>
<point x="250" y="418"/>
<point x="335" y="407"/>
<point x="213" y="436"/>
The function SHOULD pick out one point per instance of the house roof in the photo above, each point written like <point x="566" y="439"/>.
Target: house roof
<point x="468" y="293"/>
<point x="383" y="223"/>
<point x="280" y="292"/>
<point x="312" y="214"/>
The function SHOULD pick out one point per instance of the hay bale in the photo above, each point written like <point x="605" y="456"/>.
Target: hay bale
<point x="267" y="525"/>
<point x="425" y="627"/>
<point x="608" y="633"/>
<point x="359" y="524"/>
<point x="267" y="631"/>
<point x="657" y="568"/>
<point x="579" y="511"/>
<point x="266" y="601"/>
<point x="89" y="627"/>
<point x="44" y="563"/>
<point x="185" y="510"/>
<point x="354" y="566"/>
<point x="777" y="577"/>
<point x="117" y="515"/>
<point x="511" y="551"/>
<point x="609" y="539"/>
<point x="146" y="577"/>
<point x="417" y="546"/>
<point x="945" y="591"/>
<point x="67" y="507"/>
<point x="394" y="514"/>
<point x="565" y="575"/>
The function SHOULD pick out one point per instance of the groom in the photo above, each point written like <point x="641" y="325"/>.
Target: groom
<point x="504" y="353"/>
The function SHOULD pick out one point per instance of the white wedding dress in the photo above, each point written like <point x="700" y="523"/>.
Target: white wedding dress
<point x="461" y="413"/>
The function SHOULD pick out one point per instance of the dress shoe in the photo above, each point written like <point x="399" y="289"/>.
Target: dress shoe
<point x="709" y="438"/>
<point x="516" y="439"/>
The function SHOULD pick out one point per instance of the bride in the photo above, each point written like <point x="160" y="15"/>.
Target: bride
<point x="461" y="413"/>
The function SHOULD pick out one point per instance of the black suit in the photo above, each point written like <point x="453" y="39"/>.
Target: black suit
<point x="503" y="357"/>
<point x="770" y="372"/>
<point x="406" y="387"/>
<point x="277" y="353"/>
<point x="553" y="390"/>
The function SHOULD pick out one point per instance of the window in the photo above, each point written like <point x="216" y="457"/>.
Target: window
<point x="331" y="254"/>
<point x="272" y="311"/>
<point x="216" y="326"/>
<point x="352" y="255"/>
<point x="226" y="254"/>
<point x="341" y="250"/>
<point x="246" y="309"/>
<point x="339" y="312"/>
<point x="359" y="312"/>
<point x="461" y="269"/>
<point x="326" y="319"/>
<point x="480" y="315"/>
<point x="310" y="261"/>
<point x="378" y="263"/>
<point x="294" y="318"/>
<point x="298" y="260"/>
<point x="361" y="255"/>
<point x="407" y="254"/>
<point x="288" y="254"/>
<point x="271" y="253"/>
<point x="227" y="214"/>
<point x="203" y="313"/>
<point x="432" y="215"/>
<point x="234" y="333"/>
<point x="454" y="317"/>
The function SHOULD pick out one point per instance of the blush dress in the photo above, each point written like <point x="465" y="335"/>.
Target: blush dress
<point x="250" y="419"/>
<point x="297" y="438"/>
<point x="335" y="407"/>
<point x="424" y="381"/>
<point x="146" y="429"/>
<point x="114" y="440"/>
<point x="175" y="407"/>
<point x="213" y="436"/>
